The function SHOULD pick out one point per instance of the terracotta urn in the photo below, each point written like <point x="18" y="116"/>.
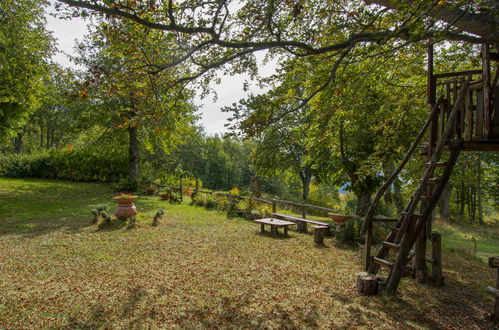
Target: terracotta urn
<point x="339" y="219"/>
<point x="126" y="209"/>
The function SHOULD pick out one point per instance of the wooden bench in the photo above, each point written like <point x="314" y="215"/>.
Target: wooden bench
<point x="274" y="224"/>
<point x="302" y="223"/>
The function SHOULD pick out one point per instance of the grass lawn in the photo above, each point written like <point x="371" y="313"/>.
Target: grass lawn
<point x="199" y="269"/>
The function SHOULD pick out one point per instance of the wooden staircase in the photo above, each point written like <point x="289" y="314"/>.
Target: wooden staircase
<point x="464" y="118"/>
<point x="411" y="224"/>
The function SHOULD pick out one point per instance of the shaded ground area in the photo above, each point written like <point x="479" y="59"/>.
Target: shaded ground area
<point x="198" y="269"/>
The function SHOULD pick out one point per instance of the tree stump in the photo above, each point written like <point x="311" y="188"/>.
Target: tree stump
<point x="367" y="284"/>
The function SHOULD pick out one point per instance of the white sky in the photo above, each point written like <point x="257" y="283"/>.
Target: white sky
<point x="212" y="118"/>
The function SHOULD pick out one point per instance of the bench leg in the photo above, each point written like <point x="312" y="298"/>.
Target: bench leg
<point x="319" y="236"/>
<point x="286" y="231"/>
<point x="273" y="230"/>
<point x="301" y="227"/>
<point x="262" y="228"/>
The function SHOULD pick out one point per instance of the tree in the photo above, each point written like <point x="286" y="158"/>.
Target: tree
<point x="211" y="34"/>
<point x="25" y="48"/>
<point x="116" y="55"/>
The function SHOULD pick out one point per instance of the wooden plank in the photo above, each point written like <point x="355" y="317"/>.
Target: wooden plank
<point x="468" y="116"/>
<point x="479" y="114"/>
<point x="492" y="291"/>
<point x="275" y="222"/>
<point x="301" y="205"/>
<point x="297" y="219"/>
<point x="486" y="89"/>
<point x="391" y="245"/>
<point x="383" y="219"/>
<point x="457" y="73"/>
<point x="383" y="262"/>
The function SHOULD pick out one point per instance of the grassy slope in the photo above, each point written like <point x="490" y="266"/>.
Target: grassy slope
<point x="197" y="269"/>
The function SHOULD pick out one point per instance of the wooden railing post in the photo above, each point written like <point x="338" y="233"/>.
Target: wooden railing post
<point x="303" y="211"/>
<point x="197" y="185"/>
<point x="369" y="238"/>
<point x="436" y="259"/>
<point x="181" y="191"/>
<point x="274" y="206"/>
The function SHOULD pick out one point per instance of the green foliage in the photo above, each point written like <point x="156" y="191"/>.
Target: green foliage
<point x="74" y="165"/>
<point x="25" y="48"/>
<point x="232" y="205"/>
<point x="350" y="233"/>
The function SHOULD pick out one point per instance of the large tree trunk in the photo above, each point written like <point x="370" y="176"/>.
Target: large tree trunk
<point x="445" y="203"/>
<point x="17" y="141"/>
<point x="395" y="197"/>
<point x="306" y="178"/>
<point x="363" y="203"/>
<point x="133" y="154"/>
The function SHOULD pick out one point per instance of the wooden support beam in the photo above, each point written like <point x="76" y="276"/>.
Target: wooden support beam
<point x="436" y="259"/>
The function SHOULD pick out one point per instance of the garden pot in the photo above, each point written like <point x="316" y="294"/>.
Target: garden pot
<point x="339" y="219"/>
<point x="126" y="209"/>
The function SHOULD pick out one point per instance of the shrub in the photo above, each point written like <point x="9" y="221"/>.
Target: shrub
<point x="350" y="232"/>
<point x="65" y="164"/>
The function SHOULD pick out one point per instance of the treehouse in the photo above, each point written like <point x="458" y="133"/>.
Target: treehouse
<point x="464" y="116"/>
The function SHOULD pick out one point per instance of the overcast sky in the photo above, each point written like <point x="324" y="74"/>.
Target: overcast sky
<point x="229" y="91"/>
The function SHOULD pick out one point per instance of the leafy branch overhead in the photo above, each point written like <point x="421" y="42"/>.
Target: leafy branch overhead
<point x="214" y="33"/>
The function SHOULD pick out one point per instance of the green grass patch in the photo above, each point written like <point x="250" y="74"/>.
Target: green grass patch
<point x="197" y="269"/>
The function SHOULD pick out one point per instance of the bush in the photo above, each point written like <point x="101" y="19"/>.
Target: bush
<point x="350" y="232"/>
<point x="73" y="165"/>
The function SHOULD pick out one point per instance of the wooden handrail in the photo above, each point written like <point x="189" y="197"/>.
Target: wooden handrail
<point x="262" y="200"/>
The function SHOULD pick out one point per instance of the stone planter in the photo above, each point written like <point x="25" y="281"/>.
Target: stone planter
<point x="126" y="209"/>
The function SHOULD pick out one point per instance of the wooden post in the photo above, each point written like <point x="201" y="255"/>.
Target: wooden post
<point x="303" y="211"/>
<point x="181" y="191"/>
<point x="369" y="238"/>
<point x="197" y="185"/>
<point x="486" y="89"/>
<point x="250" y="206"/>
<point x="436" y="256"/>
<point x="274" y="206"/>
<point x="494" y="263"/>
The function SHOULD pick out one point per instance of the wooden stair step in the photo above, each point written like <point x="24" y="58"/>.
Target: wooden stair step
<point x="432" y="180"/>
<point x="417" y="215"/>
<point x="383" y="219"/>
<point x="391" y="245"/>
<point x="383" y="262"/>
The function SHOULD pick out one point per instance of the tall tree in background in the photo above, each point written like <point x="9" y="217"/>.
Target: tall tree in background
<point x="118" y="77"/>
<point x="25" y="49"/>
